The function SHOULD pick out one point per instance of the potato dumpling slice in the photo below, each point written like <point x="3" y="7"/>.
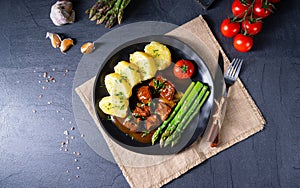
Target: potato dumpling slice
<point x="160" y="53"/>
<point x="117" y="86"/>
<point x="128" y="71"/>
<point x="114" y="106"/>
<point x="146" y="64"/>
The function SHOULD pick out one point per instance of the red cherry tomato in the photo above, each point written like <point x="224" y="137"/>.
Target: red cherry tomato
<point x="183" y="69"/>
<point x="239" y="8"/>
<point x="251" y="26"/>
<point x="229" y="28"/>
<point x="242" y="43"/>
<point x="274" y="1"/>
<point x="262" y="9"/>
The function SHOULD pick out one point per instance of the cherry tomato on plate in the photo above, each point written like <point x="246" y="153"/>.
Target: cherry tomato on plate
<point x="262" y="9"/>
<point x="242" y="43"/>
<point x="230" y="28"/>
<point x="251" y="26"/>
<point x="239" y="8"/>
<point x="183" y="69"/>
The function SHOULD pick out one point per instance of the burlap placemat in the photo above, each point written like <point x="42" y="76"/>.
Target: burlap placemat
<point x="242" y="120"/>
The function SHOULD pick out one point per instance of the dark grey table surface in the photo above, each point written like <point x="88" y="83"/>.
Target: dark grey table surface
<point x="32" y="128"/>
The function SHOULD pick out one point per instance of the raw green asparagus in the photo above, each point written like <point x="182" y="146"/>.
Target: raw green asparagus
<point x="108" y="11"/>
<point x="121" y="10"/>
<point x="114" y="13"/>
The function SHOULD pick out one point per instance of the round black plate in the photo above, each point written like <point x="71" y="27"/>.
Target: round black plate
<point x="179" y="50"/>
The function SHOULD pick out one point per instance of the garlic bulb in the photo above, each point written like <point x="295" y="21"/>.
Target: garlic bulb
<point x="62" y="13"/>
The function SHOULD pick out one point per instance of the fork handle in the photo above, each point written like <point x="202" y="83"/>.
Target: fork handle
<point x="217" y="122"/>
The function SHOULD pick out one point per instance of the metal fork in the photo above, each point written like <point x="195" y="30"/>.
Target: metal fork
<point x="232" y="73"/>
<point x="230" y="77"/>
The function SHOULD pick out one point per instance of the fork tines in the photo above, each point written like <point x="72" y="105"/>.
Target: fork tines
<point x="235" y="67"/>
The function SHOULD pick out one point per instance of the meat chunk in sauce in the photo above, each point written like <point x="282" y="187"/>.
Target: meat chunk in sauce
<point x="141" y="110"/>
<point x="157" y="83"/>
<point x="163" y="111"/>
<point x="152" y="122"/>
<point x="133" y="124"/>
<point x="168" y="91"/>
<point x="165" y="88"/>
<point x="144" y="94"/>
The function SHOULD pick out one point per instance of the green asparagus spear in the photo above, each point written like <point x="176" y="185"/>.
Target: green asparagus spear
<point x="110" y="4"/>
<point x="178" y="134"/>
<point x="182" y="111"/>
<point x="104" y="10"/>
<point x="165" y="123"/>
<point x="95" y="17"/>
<point x="111" y="21"/>
<point x="92" y="11"/>
<point x="183" y="121"/>
<point x="121" y="10"/>
<point x="113" y="17"/>
<point x="103" y="19"/>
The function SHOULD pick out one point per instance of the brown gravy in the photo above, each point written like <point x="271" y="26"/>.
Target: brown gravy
<point x="138" y="136"/>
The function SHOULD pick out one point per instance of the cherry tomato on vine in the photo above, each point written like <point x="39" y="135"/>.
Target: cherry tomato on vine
<point x="183" y="69"/>
<point x="230" y="28"/>
<point x="242" y="43"/>
<point x="239" y="8"/>
<point x="262" y="9"/>
<point x="251" y="26"/>
<point x="274" y="1"/>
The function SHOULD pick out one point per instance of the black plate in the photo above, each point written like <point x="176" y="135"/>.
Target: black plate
<point x="179" y="50"/>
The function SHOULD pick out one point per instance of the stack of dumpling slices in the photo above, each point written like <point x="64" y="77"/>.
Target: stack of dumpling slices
<point x="142" y="66"/>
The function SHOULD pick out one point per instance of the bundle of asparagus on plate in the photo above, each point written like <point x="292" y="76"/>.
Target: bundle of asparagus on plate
<point x="186" y="109"/>
<point x="107" y="11"/>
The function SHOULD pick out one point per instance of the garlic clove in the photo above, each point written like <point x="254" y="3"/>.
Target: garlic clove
<point x="66" y="44"/>
<point x="87" y="48"/>
<point x="55" y="39"/>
